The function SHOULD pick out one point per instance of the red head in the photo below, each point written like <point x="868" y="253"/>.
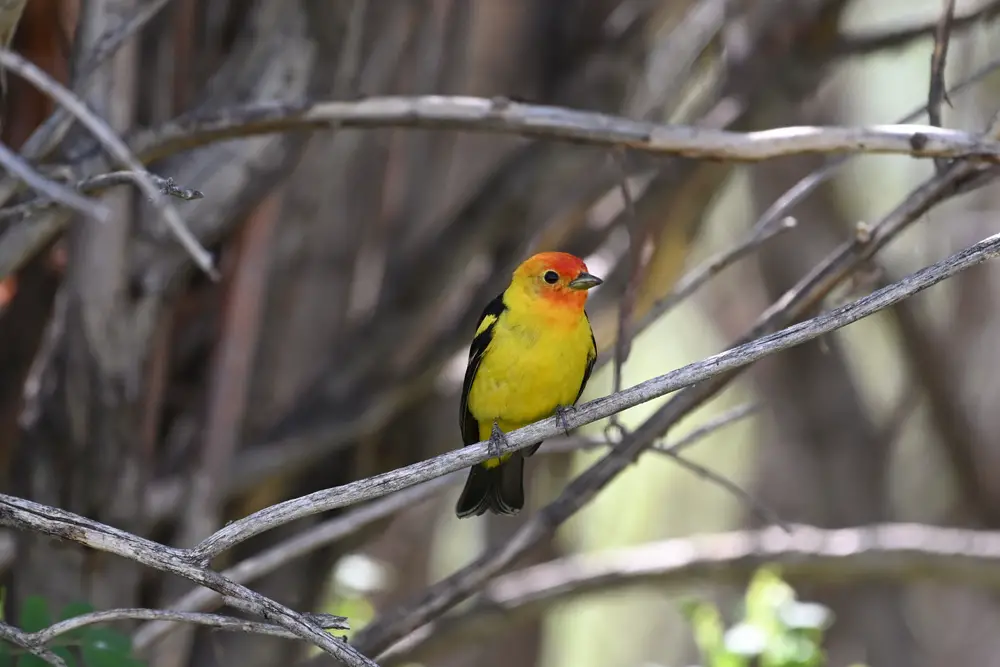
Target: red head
<point x="559" y="278"/>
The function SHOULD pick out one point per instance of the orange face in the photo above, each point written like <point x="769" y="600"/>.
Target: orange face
<point x="558" y="277"/>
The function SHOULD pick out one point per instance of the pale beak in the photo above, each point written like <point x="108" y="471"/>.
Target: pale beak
<point x="584" y="281"/>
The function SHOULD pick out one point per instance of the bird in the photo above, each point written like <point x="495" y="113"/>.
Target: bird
<point x="531" y="357"/>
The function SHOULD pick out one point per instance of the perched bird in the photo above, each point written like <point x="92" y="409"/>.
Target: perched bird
<point x="531" y="357"/>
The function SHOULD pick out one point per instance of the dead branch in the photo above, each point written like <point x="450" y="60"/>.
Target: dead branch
<point x="863" y="44"/>
<point x="22" y="639"/>
<point x="116" y="147"/>
<point x="698" y="372"/>
<point x="795" y="303"/>
<point x="503" y="116"/>
<point x="99" y="183"/>
<point x="297" y="547"/>
<point x="56" y="193"/>
<point x="872" y="553"/>
<point x="49" y="634"/>
<point x="936" y="91"/>
<point x="26" y="515"/>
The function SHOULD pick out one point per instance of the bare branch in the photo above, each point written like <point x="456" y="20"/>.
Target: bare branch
<point x="24" y="640"/>
<point x="942" y="37"/>
<point x="546" y="122"/>
<point x="878" y="41"/>
<point x="798" y="192"/>
<point x="296" y="547"/>
<point x="795" y="303"/>
<point x="694" y="279"/>
<point x="98" y="183"/>
<point x="27" y="515"/>
<point x="936" y="93"/>
<point x="49" y="634"/>
<point x="56" y="192"/>
<point x="732" y="359"/>
<point x="116" y="147"/>
<point x="887" y="552"/>
<point x="46" y="137"/>
<point x="10" y="16"/>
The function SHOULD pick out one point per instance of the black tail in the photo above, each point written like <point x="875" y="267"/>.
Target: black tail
<point x="499" y="490"/>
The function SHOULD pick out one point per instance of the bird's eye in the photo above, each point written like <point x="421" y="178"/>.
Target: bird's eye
<point x="551" y="277"/>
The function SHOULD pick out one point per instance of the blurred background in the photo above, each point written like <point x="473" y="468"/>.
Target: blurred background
<point x="136" y="392"/>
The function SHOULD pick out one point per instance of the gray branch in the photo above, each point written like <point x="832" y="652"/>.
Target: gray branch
<point x="500" y="115"/>
<point x="719" y="364"/>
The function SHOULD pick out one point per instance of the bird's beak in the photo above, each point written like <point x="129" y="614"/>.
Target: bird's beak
<point x="584" y="281"/>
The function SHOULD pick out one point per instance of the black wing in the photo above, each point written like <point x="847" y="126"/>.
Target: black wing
<point x="484" y="334"/>
<point x="591" y="360"/>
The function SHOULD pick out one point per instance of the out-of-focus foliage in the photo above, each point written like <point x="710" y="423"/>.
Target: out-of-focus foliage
<point x="777" y="629"/>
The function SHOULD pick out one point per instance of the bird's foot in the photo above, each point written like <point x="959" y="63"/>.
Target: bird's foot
<point x="562" y="417"/>
<point x="497" y="441"/>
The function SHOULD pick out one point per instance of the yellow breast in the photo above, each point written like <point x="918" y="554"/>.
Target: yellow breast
<point x="529" y="369"/>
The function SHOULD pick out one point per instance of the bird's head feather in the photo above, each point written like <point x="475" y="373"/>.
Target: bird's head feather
<point x="557" y="280"/>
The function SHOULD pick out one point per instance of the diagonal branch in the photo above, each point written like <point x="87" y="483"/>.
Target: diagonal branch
<point x="25" y="641"/>
<point x="57" y="193"/>
<point x="27" y="515"/>
<point x="502" y="116"/>
<point x="802" y="298"/>
<point x="694" y="373"/>
<point x="116" y="147"/>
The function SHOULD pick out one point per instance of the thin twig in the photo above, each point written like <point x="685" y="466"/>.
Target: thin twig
<point x="936" y="93"/>
<point x="51" y="633"/>
<point x="886" y="552"/>
<point x="117" y="148"/>
<point x="48" y="135"/>
<point x="636" y="240"/>
<point x="807" y="185"/>
<point x="717" y="365"/>
<point x="557" y="123"/>
<point x="829" y="273"/>
<point x="26" y="515"/>
<point x="859" y="45"/>
<point x="98" y="183"/>
<point x="287" y="551"/>
<point x="55" y="192"/>
<point x="731" y="416"/>
<point x="694" y="279"/>
<point x="674" y="451"/>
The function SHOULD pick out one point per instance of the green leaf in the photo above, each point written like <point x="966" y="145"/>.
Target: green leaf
<point x="34" y="614"/>
<point x="707" y="626"/>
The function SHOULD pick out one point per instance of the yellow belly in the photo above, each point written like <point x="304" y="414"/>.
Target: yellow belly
<point x="527" y="372"/>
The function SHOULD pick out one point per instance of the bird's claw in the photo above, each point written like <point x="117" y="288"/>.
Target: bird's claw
<point x="562" y="417"/>
<point x="497" y="441"/>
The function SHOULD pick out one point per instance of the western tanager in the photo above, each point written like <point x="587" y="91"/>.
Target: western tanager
<point x="531" y="357"/>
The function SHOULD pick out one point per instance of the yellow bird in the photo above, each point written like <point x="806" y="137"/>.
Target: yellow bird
<point x="531" y="357"/>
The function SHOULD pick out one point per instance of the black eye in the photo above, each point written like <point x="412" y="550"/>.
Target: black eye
<point x="551" y="277"/>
